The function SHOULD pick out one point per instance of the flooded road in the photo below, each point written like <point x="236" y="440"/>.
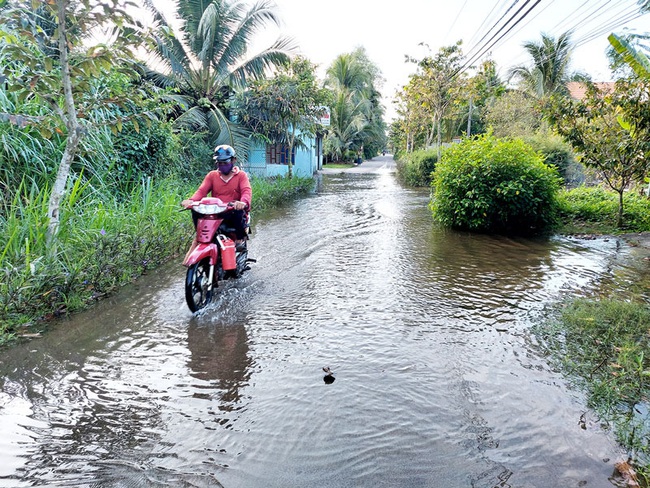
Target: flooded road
<point x="427" y="333"/>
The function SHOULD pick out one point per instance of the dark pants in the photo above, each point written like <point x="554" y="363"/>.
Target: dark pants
<point x="235" y="219"/>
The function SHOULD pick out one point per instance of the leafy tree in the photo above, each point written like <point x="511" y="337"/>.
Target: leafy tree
<point x="347" y="123"/>
<point x="610" y="130"/>
<point x="630" y="49"/>
<point x="54" y="61"/>
<point x="484" y="89"/>
<point x="209" y="59"/>
<point x="626" y="53"/>
<point x="549" y="72"/>
<point x="284" y="109"/>
<point x="514" y="114"/>
<point x="429" y="95"/>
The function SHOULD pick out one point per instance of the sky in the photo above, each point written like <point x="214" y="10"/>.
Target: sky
<point x="391" y="30"/>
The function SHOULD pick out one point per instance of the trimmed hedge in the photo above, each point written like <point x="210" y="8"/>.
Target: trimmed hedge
<point x="417" y="167"/>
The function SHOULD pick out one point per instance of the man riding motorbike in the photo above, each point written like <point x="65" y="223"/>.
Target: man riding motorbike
<point x="230" y="184"/>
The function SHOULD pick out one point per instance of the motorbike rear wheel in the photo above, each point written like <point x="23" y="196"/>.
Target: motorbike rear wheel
<point x="197" y="291"/>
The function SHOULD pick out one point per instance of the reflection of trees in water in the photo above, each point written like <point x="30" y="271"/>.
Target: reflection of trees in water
<point x="219" y="355"/>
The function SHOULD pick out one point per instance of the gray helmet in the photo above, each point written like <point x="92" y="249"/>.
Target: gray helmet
<point x="223" y="153"/>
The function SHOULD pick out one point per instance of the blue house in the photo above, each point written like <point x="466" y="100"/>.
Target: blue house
<point x="268" y="160"/>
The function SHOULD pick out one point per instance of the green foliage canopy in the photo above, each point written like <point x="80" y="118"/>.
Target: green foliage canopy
<point x="356" y="112"/>
<point x="210" y="59"/>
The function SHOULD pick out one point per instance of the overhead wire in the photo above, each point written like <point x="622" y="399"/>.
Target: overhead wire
<point x="454" y="22"/>
<point x="585" y="15"/>
<point x="621" y="17"/>
<point x="495" y="25"/>
<point x="529" y="21"/>
<point x="486" y="20"/>
<point x="555" y="31"/>
<point x="487" y="47"/>
<point x="569" y="19"/>
<point x="574" y="12"/>
<point x="609" y="26"/>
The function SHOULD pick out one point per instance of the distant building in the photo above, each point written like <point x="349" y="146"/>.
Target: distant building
<point x="268" y="160"/>
<point x="578" y="89"/>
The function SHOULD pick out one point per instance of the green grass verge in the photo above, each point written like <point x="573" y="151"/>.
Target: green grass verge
<point x="103" y="243"/>
<point x="603" y="346"/>
<point x="338" y="165"/>
<point x="593" y="210"/>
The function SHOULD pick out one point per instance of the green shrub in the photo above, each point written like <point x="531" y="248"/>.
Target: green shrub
<point x="416" y="168"/>
<point x="145" y="152"/>
<point x="558" y="154"/>
<point x="491" y="185"/>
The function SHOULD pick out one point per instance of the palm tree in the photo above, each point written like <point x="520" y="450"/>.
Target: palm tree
<point x="210" y="59"/>
<point x="348" y="121"/>
<point x="357" y="115"/>
<point x="549" y="72"/>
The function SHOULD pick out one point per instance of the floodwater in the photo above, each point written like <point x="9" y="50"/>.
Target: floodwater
<point x="437" y="382"/>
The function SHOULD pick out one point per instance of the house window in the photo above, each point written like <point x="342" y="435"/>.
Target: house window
<point x="279" y="154"/>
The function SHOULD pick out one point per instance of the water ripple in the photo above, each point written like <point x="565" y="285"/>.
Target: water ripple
<point x="427" y="332"/>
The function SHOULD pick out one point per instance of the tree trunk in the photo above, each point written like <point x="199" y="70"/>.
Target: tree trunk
<point x="290" y="173"/>
<point x="72" y="125"/>
<point x="619" y="217"/>
<point x="292" y="139"/>
<point x="439" y="138"/>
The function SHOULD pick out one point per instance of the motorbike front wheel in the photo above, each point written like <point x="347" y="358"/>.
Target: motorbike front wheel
<point x="198" y="293"/>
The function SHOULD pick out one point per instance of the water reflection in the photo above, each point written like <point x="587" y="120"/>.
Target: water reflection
<point x="219" y="357"/>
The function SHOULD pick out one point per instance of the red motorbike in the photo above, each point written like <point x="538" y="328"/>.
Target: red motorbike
<point x="215" y="257"/>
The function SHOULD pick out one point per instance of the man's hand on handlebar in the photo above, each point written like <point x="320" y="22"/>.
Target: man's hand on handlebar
<point x="187" y="203"/>
<point x="238" y="205"/>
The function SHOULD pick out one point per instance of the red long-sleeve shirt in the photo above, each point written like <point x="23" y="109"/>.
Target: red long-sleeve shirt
<point x="237" y="188"/>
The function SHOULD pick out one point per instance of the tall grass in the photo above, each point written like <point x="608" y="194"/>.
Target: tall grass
<point x="275" y="191"/>
<point x="105" y="240"/>
<point x="594" y="210"/>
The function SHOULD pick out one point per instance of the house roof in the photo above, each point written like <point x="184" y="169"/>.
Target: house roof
<point x="577" y="89"/>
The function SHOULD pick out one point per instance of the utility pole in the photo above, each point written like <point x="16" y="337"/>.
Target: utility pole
<point x="469" y="119"/>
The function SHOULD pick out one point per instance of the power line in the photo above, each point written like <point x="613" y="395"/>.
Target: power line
<point x="488" y="47"/>
<point x="576" y="24"/>
<point x="454" y="22"/>
<point x="618" y="18"/>
<point x="485" y="21"/>
<point x="495" y="24"/>
<point x="530" y="20"/>
<point x="568" y="20"/>
<point x="609" y="25"/>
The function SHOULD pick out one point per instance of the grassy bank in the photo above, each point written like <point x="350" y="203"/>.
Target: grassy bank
<point x="103" y="243"/>
<point x="603" y="347"/>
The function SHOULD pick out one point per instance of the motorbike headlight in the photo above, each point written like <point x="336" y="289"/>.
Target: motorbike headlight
<point x="210" y="209"/>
